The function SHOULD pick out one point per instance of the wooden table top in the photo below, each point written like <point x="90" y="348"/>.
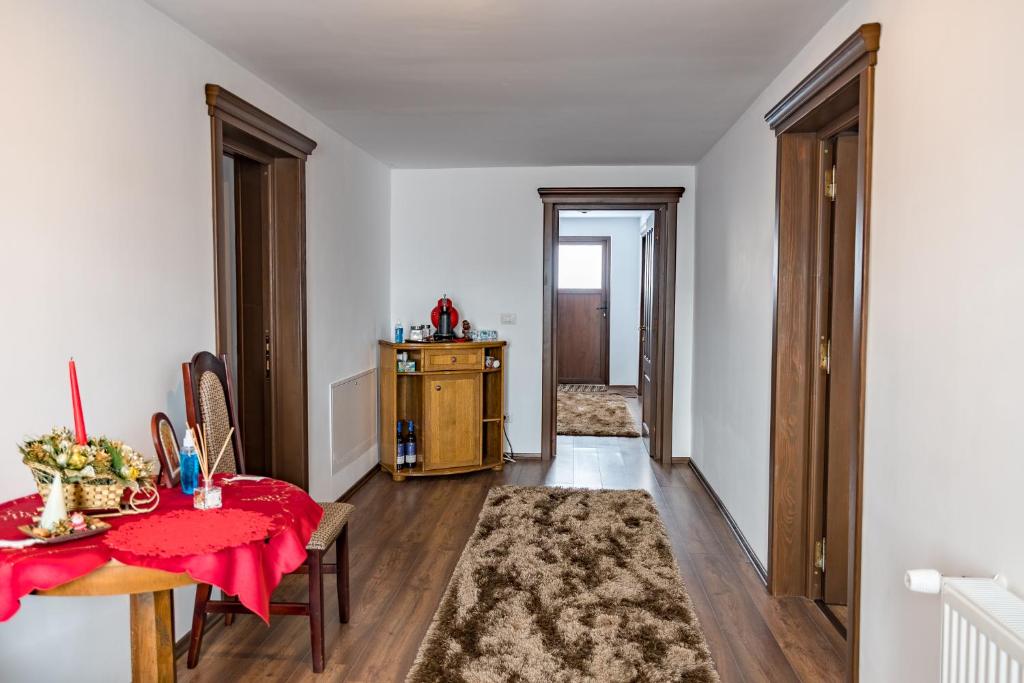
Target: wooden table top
<point x="115" y="578"/>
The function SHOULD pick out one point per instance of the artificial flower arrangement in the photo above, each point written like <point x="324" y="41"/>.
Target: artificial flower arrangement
<point x="95" y="473"/>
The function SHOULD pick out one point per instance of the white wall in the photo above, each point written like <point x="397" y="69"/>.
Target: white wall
<point x="624" y="290"/>
<point x="105" y="213"/>
<point x="477" y="234"/>
<point x="943" y="469"/>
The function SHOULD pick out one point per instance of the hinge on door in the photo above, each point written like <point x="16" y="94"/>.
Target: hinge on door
<point x="266" y="355"/>
<point x="825" y="354"/>
<point x="830" y="183"/>
<point x="819" y="555"/>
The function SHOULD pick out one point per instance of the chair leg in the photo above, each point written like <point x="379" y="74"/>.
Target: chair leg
<point x="316" y="609"/>
<point x="341" y="548"/>
<point x="198" y="623"/>
<point x="229" y="618"/>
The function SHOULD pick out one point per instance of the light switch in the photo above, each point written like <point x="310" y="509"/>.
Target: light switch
<point x="508" y="318"/>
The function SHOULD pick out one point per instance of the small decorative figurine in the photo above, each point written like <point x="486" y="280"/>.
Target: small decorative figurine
<point x="78" y="522"/>
<point x="466" y="327"/>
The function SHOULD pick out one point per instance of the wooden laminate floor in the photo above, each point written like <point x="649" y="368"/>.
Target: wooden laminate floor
<point x="406" y="538"/>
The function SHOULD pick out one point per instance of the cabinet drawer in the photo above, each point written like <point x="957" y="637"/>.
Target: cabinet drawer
<point x="453" y="359"/>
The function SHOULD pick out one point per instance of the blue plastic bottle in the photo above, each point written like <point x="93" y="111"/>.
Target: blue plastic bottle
<point x="189" y="463"/>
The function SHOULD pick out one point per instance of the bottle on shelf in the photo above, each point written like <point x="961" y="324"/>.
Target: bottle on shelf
<point x="188" y="461"/>
<point x="410" y="447"/>
<point x="399" y="332"/>
<point x="400" y="449"/>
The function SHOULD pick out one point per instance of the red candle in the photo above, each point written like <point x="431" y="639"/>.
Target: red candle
<point x="76" y="405"/>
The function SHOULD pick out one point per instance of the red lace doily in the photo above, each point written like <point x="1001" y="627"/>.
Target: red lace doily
<point x="189" y="532"/>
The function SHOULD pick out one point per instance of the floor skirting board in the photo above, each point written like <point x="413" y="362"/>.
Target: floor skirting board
<point x="181" y="644"/>
<point x="362" y="480"/>
<point x="758" y="567"/>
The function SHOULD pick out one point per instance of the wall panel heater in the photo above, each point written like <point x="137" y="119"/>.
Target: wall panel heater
<point x="982" y="628"/>
<point x="353" y="418"/>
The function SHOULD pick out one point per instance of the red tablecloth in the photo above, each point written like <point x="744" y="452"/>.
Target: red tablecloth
<point x="244" y="548"/>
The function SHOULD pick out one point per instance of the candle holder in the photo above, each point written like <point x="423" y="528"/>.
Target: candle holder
<point x="207" y="496"/>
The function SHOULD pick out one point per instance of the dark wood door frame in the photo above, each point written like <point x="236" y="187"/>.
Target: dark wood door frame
<point x="664" y="202"/>
<point x="648" y="233"/>
<point x="239" y="129"/>
<point x="837" y="94"/>
<point x="606" y="275"/>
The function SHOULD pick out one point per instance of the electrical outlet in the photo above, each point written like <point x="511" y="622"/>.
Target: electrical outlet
<point x="508" y="318"/>
<point x="508" y="418"/>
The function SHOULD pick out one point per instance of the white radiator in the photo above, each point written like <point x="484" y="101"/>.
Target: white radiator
<point x="353" y="418"/>
<point x="982" y="627"/>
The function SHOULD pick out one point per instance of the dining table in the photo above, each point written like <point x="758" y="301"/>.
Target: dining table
<point x="245" y="547"/>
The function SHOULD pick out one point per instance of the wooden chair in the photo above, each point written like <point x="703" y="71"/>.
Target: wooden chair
<point x="165" y="441"/>
<point x="209" y="402"/>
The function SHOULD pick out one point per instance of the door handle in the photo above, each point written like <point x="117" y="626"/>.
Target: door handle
<point x="437" y="387"/>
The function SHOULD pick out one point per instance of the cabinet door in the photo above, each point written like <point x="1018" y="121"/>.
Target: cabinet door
<point x="452" y="420"/>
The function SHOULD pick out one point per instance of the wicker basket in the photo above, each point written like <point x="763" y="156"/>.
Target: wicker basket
<point x="101" y="495"/>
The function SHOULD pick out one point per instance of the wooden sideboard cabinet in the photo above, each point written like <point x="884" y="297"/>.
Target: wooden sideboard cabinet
<point x="456" y="402"/>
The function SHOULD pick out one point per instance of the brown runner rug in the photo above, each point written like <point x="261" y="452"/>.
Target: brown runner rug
<point x="594" y="414"/>
<point x="565" y="585"/>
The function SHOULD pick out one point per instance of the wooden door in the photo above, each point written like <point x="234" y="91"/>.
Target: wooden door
<point x="252" y="313"/>
<point x="452" y="420"/>
<point x="260" y="279"/>
<point x="840" y="432"/>
<point x="583" y="297"/>
<point x="646" y="387"/>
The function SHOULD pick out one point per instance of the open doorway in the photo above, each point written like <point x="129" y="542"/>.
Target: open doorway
<point x="260" y="279"/>
<point x="597" y="328"/>
<point x="596" y="284"/>
<point x="824" y="146"/>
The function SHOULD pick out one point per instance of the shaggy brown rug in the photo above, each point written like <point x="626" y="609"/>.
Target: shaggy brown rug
<point x="594" y="414"/>
<point x="558" y="585"/>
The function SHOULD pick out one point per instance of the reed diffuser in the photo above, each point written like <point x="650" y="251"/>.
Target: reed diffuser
<point x="207" y="496"/>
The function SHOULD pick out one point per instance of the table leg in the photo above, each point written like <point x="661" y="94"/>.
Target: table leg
<point x="152" y="637"/>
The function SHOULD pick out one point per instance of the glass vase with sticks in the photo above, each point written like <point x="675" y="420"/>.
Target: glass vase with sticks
<point x="207" y="496"/>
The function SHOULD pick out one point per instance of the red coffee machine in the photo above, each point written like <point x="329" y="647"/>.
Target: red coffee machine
<point x="444" y="318"/>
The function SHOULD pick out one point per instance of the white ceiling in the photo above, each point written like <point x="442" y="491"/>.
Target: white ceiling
<point x="461" y="83"/>
<point x="614" y="213"/>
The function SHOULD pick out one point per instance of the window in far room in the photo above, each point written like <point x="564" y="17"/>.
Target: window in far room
<point x="580" y="266"/>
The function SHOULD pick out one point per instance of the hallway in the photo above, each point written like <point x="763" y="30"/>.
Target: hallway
<point x="401" y="565"/>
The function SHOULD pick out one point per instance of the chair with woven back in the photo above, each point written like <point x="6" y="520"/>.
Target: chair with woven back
<point x="165" y="441"/>
<point x="209" y="403"/>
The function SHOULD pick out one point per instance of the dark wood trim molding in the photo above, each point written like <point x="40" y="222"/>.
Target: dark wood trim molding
<point x="861" y="46"/>
<point x="610" y="195"/>
<point x="351" y="491"/>
<point x="664" y="202"/>
<point x="744" y="543"/>
<point x="232" y="109"/>
<point x="836" y="95"/>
